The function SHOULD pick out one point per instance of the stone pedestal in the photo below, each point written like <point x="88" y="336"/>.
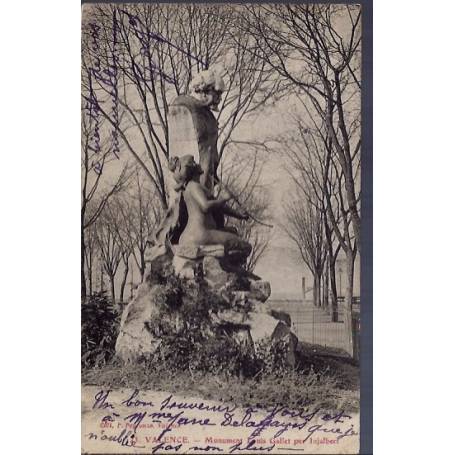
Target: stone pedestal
<point x="247" y="314"/>
<point x="135" y="339"/>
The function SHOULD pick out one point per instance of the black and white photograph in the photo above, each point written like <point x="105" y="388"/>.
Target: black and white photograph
<point x="222" y="231"/>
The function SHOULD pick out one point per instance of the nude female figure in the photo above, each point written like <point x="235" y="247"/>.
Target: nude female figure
<point x="201" y="228"/>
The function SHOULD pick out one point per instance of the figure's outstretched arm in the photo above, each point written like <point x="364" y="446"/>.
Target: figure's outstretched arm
<point x="204" y="202"/>
<point x="229" y="211"/>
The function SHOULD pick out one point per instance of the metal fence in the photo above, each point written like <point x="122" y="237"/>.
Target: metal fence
<point x="324" y="327"/>
<point x="315" y="325"/>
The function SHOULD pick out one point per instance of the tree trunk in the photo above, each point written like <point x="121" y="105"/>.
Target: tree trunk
<point x="325" y="298"/>
<point x="89" y="269"/>
<point x="125" y="277"/>
<point x="90" y="281"/>
<point x="316" y="289"/>
<point x="112" y="283"/>
<point x="102" y="280"/>
<point x="352" y="205"/>
<point x="348" y="301"/>
<point x="143" y="266"/>
<point x="83" y="281"/>
<point x="131" y="282"/>
<point x="333" y="291"/>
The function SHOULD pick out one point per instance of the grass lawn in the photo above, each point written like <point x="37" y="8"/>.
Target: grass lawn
<point x="322" y="379"/>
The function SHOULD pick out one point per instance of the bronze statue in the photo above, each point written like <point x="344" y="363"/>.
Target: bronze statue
<point x="196" y="216"/>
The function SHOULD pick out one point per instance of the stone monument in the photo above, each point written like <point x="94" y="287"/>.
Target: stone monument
<point x="193" y="241"/>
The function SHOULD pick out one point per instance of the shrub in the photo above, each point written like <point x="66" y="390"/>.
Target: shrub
<point x="191" y="342"/>
<point x="100" y="325"/>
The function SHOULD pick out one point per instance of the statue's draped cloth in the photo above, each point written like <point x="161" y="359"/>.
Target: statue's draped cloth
<point x="193" y="130"/>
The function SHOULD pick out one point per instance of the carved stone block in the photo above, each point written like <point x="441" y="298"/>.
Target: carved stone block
<point x="135" y="340"/>
<point x="214" y="274"/>
<point x="260" y="290"/>
<point x="184" y="268"/>
<point x="199" y="251"/>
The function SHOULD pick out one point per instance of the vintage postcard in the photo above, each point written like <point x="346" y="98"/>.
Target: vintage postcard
<point x="221" y="227"/>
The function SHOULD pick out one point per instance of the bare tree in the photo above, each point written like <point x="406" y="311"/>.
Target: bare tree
<point x="142" y="56"/>
<point x="90" y="256"/>
<point x="309" y="153"/>
<point x="323" y="173"/>
<point x="140" y="214"/>
<point x="315" y="48"/>
<point x="95" y="192"/>
<point x="110" y="244"/>
<point x="348" y="242"/>
<point x="318" y="175"/>
<point x="304" y="226"/>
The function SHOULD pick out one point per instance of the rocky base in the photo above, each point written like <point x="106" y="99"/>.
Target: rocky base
<point x="244" y="314"/>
